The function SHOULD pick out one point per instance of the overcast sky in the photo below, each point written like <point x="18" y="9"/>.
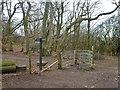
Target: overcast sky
<point x="106" y="5"/>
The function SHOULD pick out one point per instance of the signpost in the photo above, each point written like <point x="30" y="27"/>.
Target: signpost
<point x="39" y="41"/>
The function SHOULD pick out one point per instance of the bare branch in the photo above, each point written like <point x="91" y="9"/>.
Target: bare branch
<point x="79" y="20"/>
<point x="17" y="26"/>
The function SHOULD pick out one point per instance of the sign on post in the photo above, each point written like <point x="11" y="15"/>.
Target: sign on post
<point x="39" y="41"/>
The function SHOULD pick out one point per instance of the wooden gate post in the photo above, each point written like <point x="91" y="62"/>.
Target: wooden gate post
<point x="74" y="57"/>
<point x="59" y="60"/>
<point x="93" y="55"/>
<point x="30" y="60"/>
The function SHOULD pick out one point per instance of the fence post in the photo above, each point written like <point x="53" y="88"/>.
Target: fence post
<point x="59" y="60"/>
<point x="93" y="55"/>
<point x="30" y="60"/>
<point x="89" y="55"/>
<point x="74" y="57"/>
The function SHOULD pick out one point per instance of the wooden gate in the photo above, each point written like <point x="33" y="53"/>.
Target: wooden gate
<point x="67" y="58"/>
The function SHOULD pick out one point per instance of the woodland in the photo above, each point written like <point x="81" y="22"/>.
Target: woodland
<point x="67" y="28"/>
<point x="63" y="28"/>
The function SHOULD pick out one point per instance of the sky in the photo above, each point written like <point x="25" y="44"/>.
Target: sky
<point x="106" y="5"/>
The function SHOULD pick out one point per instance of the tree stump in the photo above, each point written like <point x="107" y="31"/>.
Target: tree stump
<point x="43" y="63"/>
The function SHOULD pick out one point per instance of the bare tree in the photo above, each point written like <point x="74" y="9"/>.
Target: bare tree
<point x="1" y="10"/>
<point x="79" y="20"/>
<point x="8" y="30"/>
<point x="25" y="22"/>
<point x="45" y="17"/>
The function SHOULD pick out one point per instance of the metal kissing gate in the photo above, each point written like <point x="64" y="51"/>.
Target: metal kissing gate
<point x="84" y="57"/>
<point x="79" y="56"/>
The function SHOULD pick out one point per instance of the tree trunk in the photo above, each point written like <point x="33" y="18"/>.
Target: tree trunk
<point x="44" y="26"/>
<point x="45" y="20"/>
<point x="59" y="25"/>
<point x="11" y="45"/>
<point x="58" y="30"/>
<point x="26" y="39"/>
<point x="25" y="22"/>
<point x="1" y="10"/>
<point x="88" y="26"/>
<point x="59" y="60"/>
<point x="30" y="60"/>
<point x="74" y="38"/>
<point x="77" y="36"/>
<point x="49" y="37"/>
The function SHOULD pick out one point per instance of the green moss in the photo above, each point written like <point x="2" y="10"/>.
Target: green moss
<point x="72" y="65"/>
<point x="86" y="69"/>
<point x="7" y="62"/>
<point x="7" y="69"/>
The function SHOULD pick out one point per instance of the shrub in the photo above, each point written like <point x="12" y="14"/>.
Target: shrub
<point x="98" y="56"/>
<point x="35" y="47"/>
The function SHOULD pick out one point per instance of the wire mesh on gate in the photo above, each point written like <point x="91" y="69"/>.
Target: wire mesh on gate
<point x="67" y="58"/>
<point x="84" y="57"/>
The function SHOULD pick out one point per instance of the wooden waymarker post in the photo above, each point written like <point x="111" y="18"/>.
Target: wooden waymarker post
<point x="59" y="60"/>
<point x="39" y="41"/>
<point x="30" y="60"/>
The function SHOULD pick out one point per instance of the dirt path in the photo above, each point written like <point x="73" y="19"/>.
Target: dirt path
<point x="22" y="59"/>
<point x="105" y="75"/>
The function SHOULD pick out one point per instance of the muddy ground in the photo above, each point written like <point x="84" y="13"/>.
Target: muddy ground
<point x="105" y="74"/>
